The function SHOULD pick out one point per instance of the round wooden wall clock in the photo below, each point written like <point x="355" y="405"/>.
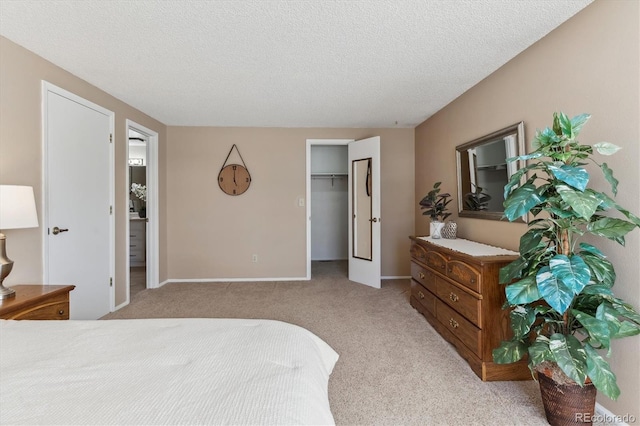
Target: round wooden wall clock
<point x="234" y="179"/>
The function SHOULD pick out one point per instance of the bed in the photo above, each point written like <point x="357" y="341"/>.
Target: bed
<point x="163" y="371"/>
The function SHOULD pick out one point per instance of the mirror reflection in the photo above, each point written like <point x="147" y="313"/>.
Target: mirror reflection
<point x="362" y="208"/>
<point x="483" y="171"/>
<point x="137" y="175"/>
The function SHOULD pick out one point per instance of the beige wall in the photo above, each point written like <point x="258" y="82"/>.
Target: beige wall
<point x="589" y="64"/>
<point x="21" y="73"/>
<point x="214" y="235"/>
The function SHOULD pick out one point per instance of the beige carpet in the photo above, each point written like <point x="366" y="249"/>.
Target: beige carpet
<point x="394" y="369"/>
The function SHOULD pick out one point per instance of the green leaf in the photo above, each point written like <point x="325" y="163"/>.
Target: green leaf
<point x="543" y="138"/>
<point x="539" y="351"/>
<point x="606" y="148"/>
<point x="523" y="291"/>
<point x="601" y="268"/>
<point x="509" y="351"/>
<point x="561" y="213"/>
<point x="578" y="121"/>
<point x="627" y="329"/>
<point x="583" y="203"/>
<point x="530" y="240"/>
<point x="606" y="313"/>
<point x="570" y="356"/>
<point x="608" y="174"/>
<point x="565" y="125"/>
<point x="521" y="321"/>
<point x="592" y="249"/>
<point x="571" y="271"/>
<point x="600" y="373"/>
<point x="512" y="270"/>
<point x="521" y="201"/>
<point x="608" y="202"/>
<point x="598" y="329"/>
<point x="555" y="292"/>
<point x="610" y="228"/>
<point x="576" y="177"/>
<point x="598" y="290"/>
<point x="626" y="311"/>
<point x="535" y="154"/>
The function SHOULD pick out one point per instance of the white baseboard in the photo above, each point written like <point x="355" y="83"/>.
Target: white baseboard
<point x="227" y="280"/>
<point x="605" y="416"/>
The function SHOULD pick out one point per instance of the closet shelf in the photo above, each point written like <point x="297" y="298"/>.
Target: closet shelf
<point x="331" y="176"/>
<point x="328" y="175"/>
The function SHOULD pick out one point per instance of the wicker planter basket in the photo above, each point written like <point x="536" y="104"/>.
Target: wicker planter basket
<point x="567" y="404"/>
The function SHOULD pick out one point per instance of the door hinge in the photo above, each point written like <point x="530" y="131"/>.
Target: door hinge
<point x="110" y="282"/>
<point x="110" y="137"/>
<point x="110" y="209"/>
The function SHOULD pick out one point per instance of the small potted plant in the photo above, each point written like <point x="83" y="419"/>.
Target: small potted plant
<point x="563" y="310"/>
<point x="434" y="205"/>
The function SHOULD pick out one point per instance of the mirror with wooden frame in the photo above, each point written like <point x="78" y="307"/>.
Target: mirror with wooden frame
<point x="483" y="171"/>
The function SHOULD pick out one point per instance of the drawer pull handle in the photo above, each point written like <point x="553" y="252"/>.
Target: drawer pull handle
<point x="441" y="266"/>
<point x="453" y="323"/>
<point x="421" y="275"/>
<point x="453" y="297"/>
<point x="450" y="270"/>
<point x="473" y="280"/>
<point x="61" y="312"/>
<point x="421" y="295"/>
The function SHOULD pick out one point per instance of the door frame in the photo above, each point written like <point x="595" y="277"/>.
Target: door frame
<point x="46" y="88"/>
<point x="311" y="142"/>
<point x="153" y="230"/>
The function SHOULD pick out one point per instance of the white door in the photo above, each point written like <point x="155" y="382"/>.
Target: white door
<point x="364" y="211"/>
<point x="78" y="193"/>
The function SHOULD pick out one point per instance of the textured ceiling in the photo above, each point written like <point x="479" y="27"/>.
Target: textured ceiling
<point x="315" y="63"/>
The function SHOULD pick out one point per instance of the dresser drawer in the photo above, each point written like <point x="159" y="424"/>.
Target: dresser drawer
<point x="54" y="308"/>
<point x="418" y="252"/>
<point x="468" y="333"/>
<point x="424" y="297"/>
<point x="436" y="261"/>
<point x="465" y="275"/>
<point x="462" y="302"/>
<point x="424" y="277"/>
<point x="56" y="311"/>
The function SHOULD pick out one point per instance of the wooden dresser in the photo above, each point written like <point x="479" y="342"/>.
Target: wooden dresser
<point x="459" y="294"/>
<point x="37" y="302"/>
<point x="137" y="241"/>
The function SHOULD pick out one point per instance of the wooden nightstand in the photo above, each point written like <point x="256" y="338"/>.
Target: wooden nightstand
<point x="37" y="302"/>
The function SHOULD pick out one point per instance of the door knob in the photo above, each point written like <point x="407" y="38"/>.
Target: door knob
<point x="57" y="230"/>
<point x="375" y="219"/>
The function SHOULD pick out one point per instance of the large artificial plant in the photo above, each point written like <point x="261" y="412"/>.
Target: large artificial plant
<point x="563" y="310"/>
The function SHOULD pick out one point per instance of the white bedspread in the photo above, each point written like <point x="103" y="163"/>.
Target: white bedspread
<point x="163" y="371"/>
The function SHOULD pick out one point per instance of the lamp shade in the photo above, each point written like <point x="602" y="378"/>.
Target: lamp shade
<point x="17" y="207"/>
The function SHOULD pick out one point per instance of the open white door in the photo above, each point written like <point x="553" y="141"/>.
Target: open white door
<point x="364" y="211"/>
<point x="78" y="182"/>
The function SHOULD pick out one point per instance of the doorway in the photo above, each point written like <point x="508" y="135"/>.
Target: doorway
<point x="142" y="209"/>
<point x="363" y="234"/>
<point x="329" y="208"/>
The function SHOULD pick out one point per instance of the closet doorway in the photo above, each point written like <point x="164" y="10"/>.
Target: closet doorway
<point x="325" y="206"/>
<point x="142" y="209"/>
<point x="329" y="209"/>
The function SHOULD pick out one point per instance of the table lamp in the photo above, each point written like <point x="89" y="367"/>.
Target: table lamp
<point x="17" y="210"/>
